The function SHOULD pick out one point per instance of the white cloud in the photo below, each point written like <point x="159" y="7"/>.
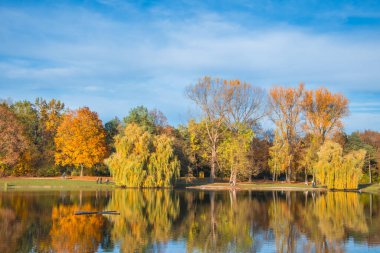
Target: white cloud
<point x="129" y="63"/>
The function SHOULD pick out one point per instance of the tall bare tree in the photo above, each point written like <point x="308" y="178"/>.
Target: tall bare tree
<point x="226" y="104"/>
<point x="212" y="97"/>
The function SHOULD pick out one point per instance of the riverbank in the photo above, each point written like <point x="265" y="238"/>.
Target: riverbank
<point x="54" y="183"/>
<point x="89" y="183"/>
<point x="280" y="186"/>
<point x="258" y="186"/>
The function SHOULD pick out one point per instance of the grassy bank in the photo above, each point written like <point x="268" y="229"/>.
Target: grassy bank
<point x="52" y="183"/>
<point x="374" y="188"/>
<point x="89" y="183"/>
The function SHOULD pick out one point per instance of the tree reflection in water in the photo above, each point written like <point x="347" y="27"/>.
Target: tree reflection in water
<point x="151" y="220"/>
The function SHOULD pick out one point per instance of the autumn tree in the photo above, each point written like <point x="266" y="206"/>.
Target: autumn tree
<point x="338" y="171"/>
<point x="258" y="155"/>
<point x="285" y="108"/>
<point x="80" y="140"/>
<point x="234" y="153"/>
<point x="279" y="156"/>
<point x="13" y="141"/>
<point x="143" y="159"/>
<point x="225" y="104"/>
<point x="211" y="96"/>
<point x="324" y="112"/>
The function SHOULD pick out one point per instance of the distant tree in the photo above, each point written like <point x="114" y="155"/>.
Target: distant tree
<point x="285" y="108"/>
<point x="143" y="159"/>
<point x="112" y="128"/>
<point x="355" y="143"/>
<point x="159" y="119"/>
<point x="141" y="116"/>
<point x="13" y="141"/>
<point x="80" y="140"/>
<point x="258" y="156"/>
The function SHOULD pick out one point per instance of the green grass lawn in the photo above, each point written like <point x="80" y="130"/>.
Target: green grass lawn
<point x="50" y="184"/>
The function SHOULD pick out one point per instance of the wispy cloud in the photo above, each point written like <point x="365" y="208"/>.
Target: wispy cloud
<point x="86" y="55"/>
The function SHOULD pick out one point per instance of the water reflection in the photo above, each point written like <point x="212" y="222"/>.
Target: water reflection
<point x="189" y="221"/>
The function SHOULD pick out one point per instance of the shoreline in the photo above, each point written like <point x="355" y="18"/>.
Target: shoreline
<point x="89" y="183"/>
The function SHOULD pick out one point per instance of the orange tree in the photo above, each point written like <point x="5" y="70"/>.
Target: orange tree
<point x="80" y="140"/>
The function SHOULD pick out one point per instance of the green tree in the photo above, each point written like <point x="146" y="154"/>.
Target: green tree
<point x="141" y="116"/>
<point x="112" y="128"/>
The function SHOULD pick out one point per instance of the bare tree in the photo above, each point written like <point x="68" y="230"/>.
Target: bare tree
<point x="212" y="98"/>
<point x="226" y="104"/>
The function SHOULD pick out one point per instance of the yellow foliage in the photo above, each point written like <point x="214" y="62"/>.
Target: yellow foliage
<point x="337" y="171"/>
<point x="143" y="159"/>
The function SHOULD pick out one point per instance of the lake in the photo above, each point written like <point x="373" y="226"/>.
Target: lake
<point x="189" y="221"/>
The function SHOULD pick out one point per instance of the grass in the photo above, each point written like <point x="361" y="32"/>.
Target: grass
<point x="256" y="185"/>
<point x="57" y="183"/>
<point x="374" y="188"/>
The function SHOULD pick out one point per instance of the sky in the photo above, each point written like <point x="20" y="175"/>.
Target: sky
<point x="113" y="55"/>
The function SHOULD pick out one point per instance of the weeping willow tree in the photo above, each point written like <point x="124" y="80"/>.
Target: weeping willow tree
<point x="143" y="159"/>
<point x="337" y="171"/>
<point x="146" y="218"/>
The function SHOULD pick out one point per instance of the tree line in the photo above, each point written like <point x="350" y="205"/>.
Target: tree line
<point x="226" y="140"/>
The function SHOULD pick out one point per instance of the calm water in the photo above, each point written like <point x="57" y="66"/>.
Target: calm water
<point x="189" y="221"/>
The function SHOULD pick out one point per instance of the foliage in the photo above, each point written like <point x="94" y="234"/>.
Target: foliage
<point x="234" y="153"/>
<point x="75" y="233"/>
<point x="280" y="157"/>
<point x="141" y="116"/>
<point x="13" y="141"/>
<point x="112" y="128"/>
<point x="80" y="139"/>
<point x="143" y="159"/>
<point x="285" y="105"/>
<point x="324" y="112"/>
<point x="337" y="171"/>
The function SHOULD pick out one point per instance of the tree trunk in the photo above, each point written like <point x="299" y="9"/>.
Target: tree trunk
<point x="305" y="176"/>
<point x="81" y="170"/>
<point x="289" y="176"/>
<point x="369" y="169"/>
<point x="213" y="163"/>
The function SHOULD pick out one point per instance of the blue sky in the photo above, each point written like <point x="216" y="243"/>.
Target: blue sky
<point x="113" y="55"/>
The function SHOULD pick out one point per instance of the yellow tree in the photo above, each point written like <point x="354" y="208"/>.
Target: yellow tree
<point x="80" y="140"/>
<point x="234" y="153"/>
<point x="285" y="111"/>
<point x="337" y="171"/>
<point x="279" y="156"/>
<point x="143" y="159"/>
